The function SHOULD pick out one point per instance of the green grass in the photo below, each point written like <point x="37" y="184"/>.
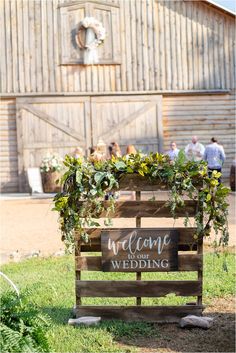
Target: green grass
<point x="52" y="283"/>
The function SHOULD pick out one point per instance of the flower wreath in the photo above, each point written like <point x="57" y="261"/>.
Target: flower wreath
<point x="99" y="30"/>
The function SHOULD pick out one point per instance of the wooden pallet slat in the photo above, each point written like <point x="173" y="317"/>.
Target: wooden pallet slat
<point x="90" y="247"/>
<point x="138" y="288"/>
<point x="133" y="209"/>
<point x="168" y="314"/>
<point x="136" y="182"/>
<point x="186" y="235"/>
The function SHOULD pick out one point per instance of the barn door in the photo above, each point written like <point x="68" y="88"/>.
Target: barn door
<point x="135" y="120"/>
<point x="50" y="125"/>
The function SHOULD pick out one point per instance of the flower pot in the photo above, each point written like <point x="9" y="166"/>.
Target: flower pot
<point x="49" y="181"/>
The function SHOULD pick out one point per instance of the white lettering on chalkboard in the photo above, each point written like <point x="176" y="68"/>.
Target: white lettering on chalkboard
<point x="140" y="264"/>
<point x="135" y="244"/>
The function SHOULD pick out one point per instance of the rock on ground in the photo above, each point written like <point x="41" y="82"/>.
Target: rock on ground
<point x="196" y="321"/>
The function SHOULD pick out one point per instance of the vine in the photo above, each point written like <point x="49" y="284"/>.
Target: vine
<point x="90" y="182"/>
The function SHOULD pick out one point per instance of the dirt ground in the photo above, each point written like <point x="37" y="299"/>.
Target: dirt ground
<point x="171" y="338"/>
<point x="28" y="227"/>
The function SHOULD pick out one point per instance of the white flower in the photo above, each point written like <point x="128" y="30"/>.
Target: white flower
<point x="51" y="163"/>
<point x="99" y="30"/>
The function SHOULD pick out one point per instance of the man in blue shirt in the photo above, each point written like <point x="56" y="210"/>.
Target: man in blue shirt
<point x="214" y="155"/>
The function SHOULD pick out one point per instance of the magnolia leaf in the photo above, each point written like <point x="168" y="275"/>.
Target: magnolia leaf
<point x="129" y="170"/>
<point x="216" y="174"/>
<point x="208" y="198"/>
<point x="181" y="158"/>
<point x="78" y="176"/>
<point x="61" y="203"/>
<point x="99" y="176"/>
<point x="140" y="171"/>
<point x="120" y="165"/>
<point x="214" y="182"/>
<point x="93" y="224"/>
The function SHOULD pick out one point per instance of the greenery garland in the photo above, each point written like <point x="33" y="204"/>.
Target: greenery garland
<point x="90" y="181"/>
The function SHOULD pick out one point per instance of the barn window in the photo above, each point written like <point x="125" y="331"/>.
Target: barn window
<point x="71" y="15"/>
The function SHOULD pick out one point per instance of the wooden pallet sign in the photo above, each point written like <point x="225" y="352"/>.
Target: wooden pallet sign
<point x="140" y="249"/>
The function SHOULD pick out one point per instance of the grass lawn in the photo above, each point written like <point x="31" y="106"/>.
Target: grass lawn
<point x="52" y="283"/>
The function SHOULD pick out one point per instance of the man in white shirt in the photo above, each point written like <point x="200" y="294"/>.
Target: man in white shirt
<point x="194" y="150"/>
<point x="214" y="155"/>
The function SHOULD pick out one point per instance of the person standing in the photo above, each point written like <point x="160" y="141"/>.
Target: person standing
<point x="173" y="152"/>
<point x="78" y="152"/>
<point x="214" y="155"/>
<point x="131" y="149"/>
<point x="114" y="150"/>
<point x="195" y="150"/>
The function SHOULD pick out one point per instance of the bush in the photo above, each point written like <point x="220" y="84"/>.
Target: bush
<point x="22" y="326"/>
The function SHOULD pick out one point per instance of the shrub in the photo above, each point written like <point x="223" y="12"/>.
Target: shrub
<point x="22" y="326"/>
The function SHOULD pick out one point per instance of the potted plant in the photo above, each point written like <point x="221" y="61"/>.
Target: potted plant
<point x="51" y="167"/>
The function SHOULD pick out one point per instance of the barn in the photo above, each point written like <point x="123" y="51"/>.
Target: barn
<point x="165" y="71"/>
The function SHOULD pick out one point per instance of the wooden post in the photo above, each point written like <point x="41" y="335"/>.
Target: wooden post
<point x="160" y="126"/>
<point x="20" y="150"/>
<point x="200" y="252"/>
<point x="77" y="273"/>
<point x="138" y="225"/>
<point x="200" y="271"/>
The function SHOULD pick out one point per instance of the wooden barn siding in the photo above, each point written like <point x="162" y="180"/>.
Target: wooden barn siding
<point x="204" y="116"/>
<point x="165" y="45"/>
<point x="183" y="116"/>
<point x="8" y="146"/>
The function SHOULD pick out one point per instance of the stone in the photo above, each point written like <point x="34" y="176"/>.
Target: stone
<point x="196" y="321"/>
<point x="84" y="320"/>
<point x="15" y="256"/>
<point x="34" y="253"/>
<point x="61" y="252"/>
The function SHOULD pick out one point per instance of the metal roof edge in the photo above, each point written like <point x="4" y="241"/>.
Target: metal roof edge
<point x="220" y="7"/>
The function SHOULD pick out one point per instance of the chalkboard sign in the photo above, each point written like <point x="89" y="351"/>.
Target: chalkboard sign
<point x="140" y="250"/>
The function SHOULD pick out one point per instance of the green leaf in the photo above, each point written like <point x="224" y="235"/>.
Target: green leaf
<point x="140" y="171"/>
<point x="216" y="174"/>
<point x="61" y="203"/>
<point x="92" y="223"/>
<point x="208" y="198"/>
<point x="120" y="165"/>
<point x="93" y="192"/>
<point x="99" y="176"/>
<point x="181" y="159"/>
<point x="78" y="177"/>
